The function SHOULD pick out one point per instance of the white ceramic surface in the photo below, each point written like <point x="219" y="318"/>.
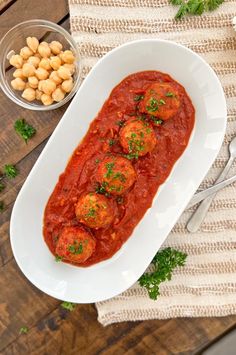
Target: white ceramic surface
<point x="111" y="277"/>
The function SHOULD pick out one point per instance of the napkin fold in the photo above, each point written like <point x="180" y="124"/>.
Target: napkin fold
<point x="206" y="285"/>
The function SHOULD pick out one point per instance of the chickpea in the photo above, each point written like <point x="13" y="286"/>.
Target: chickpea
<point x="56" y="47"/>
<point x="55" y="77"/>
<point x="34" y="60"/>
<point x="18" y="84"/>
<point x="32" y="43"/>
<point x="67" y="85"/>
<point x="45" y="64"/>
<point x="44" y="50"/>
<point x="55" y="62"/>
<point x="58" y="95"/>
<point x="46" y="99"/>
<point x="28" y="69"/>
<point x="40" y="85"/>
<point x="16" y="61"/>
<point x="28" y="94"/>
<point x="41" y="73"/>
<point x="33" y="82"/>
<point x="68" y="57"/>
<point x="48" y="86"/>
<point x="38" y="94"/>
<point x="26" y="52"/>
<point x="64" y="73"/>
<point x="71" y="67"/>
<point x="18" y="74"/>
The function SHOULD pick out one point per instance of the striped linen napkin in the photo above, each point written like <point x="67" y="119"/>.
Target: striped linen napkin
<point x="206" y="286"/>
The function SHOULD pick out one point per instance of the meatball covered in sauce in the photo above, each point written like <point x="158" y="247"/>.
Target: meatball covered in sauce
<point x="161" y="100"/>
<point x="137" y="138"/>
<point x="94" y="211"/>
<point x="75" y="245"/>
<point x="116" y="174"/>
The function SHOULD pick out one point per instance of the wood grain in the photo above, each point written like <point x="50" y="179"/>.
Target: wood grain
<point x="53" y="330"/>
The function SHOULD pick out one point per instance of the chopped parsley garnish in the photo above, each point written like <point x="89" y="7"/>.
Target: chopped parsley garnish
<point x="170" y="94"/>
<point x="156" y="121"/>
<point x="164" y="262"/>
<point x="1" y="206"/>
<point x="195" y="7"/>
<point x="25" y="130"/>
<point x="120" y="123"/>
<point x="119" y="176"/>
<point x="109" y="172"/>
<point x="10" y="171"/>
<point x="58" y="258"/>
<point x="138" y="98"/>
<point x="76" y="248"/>
<point x="2" y="186"/>
<point x="97" y="161"/>
<point x="91" y="213"/>
<point x="23" y="330"/>
<point x="154" y="104"/>
<point x="68" y="305"/>
<point x="111" y="142"/>
<point x="101" y="188"/>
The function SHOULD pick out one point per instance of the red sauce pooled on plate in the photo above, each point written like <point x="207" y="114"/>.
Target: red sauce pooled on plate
<point x="101" y="140"/>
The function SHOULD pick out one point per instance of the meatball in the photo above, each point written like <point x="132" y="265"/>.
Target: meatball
<point x="116" y="174"/>
<point x="94" y="211"/>
<point x="75" y="244"/>
<point x="137" y="138"/>
<point x="161" y="100"/>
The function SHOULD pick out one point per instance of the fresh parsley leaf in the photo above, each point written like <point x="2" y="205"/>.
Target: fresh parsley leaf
<point x="10" y="171"/>
<point x="211" y="5"/>
<point x="68" y="305"/>
<point x="138" y="98"/>
<point x="97" y="161"/>
<point x="58" y="258"/>
<point x="2" y="206"/>
<point x="2" y="186"/>
<point x="195" y="7"/>
<point x="25" y="130"/>
<point x="23" y="330"/>
<point x="164" y="262"/>
<point x="101" y="188"/>
<point x="183" y="10"/>
<point x="170" y="94"/>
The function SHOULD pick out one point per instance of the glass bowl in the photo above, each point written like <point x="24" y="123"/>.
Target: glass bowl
<point x="15" y="39"/>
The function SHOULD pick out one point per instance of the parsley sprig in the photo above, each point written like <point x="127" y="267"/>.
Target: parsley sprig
<point x="68" y="305"/>
<point x="25" y="130"/>
<point x="10" y="171"/>
<point x="195" y="7"/>
<point x="164" y="262"/>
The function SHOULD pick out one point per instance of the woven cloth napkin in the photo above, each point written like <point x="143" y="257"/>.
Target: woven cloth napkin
<point x="206" y="286"/>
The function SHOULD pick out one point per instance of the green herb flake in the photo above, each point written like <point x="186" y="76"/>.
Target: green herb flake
<point x="164" y="262"/>
<point x="120" y="123"/>
<point x="69" y="306"/>
<point x="25" y="130"/>
<point x="101" y="188"/>
<point x="76" y="248"/>
<point x="138" y="98"/>
<point x="91" y="213"/>
<point x="58" y="258"/>
<point x="111" y="142"/>
<point x="2" y="205"/>
<point x="153" y="105"/>
<point x="23" y="330"/>
<point x="97" y="161"/>
<point x="110" y="171"/>
<point x="170" y="94"/>
<point x="10" y="171"/>
<point x="162" y="102"/>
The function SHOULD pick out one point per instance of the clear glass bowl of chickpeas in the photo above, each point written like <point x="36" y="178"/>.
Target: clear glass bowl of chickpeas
<point x="39" y="65"/>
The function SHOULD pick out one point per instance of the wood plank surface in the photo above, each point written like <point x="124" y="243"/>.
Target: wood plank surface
<point x="53" y="330"/>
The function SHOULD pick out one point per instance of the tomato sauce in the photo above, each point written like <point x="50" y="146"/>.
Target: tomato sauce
<point x="103" y="137"/>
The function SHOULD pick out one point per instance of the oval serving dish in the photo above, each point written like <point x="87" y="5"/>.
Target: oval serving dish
<point x="113" y="276"/>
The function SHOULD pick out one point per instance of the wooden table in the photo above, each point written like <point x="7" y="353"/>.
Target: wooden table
<point x="53" y="330"/>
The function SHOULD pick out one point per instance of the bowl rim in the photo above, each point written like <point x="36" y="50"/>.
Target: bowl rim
<point x="69" y="39"/>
